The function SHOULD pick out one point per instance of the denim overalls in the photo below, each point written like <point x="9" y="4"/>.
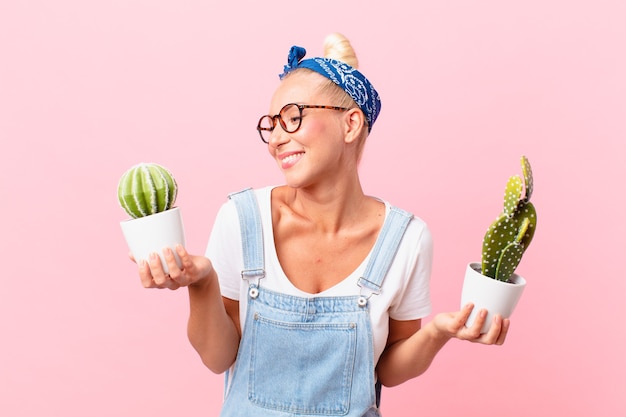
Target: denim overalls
<point x="306" y="356"/>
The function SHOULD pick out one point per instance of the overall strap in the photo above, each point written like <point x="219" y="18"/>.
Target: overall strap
<point x="383" y="252"/>
<point x="252" y="245"/>
<point x="251" y="234"/>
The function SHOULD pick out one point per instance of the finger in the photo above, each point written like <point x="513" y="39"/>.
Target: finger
<point x="131" y="257"/>
<point x="481" y="317"/>
<point x="188" y="267"/>
<point x="169" y="284"/>
<point x="461" y="318"/>
<point x="156" y="268"/>
<point x="145" y="275"/>
<point x="506" y="324"/>
<point x="491" y="336"/>
<point x="466" y="311"/>
<point x="475" y="330"/>
<point x="172" y="285"/>
<point x="172" y="265"/>
<point x="185" y="258"/>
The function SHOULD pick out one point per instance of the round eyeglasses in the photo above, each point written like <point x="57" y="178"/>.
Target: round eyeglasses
<point x="289" y="117"/>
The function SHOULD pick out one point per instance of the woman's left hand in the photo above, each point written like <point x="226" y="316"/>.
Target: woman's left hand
<point x="453" y="325"/>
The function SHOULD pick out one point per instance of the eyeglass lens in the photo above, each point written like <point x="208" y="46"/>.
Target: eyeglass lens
<point x="289" y="118"/>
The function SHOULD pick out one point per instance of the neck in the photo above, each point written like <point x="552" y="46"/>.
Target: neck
<point x="329" y="208"/>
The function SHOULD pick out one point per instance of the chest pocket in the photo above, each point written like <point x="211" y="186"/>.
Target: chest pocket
<point x="294" y="366"/>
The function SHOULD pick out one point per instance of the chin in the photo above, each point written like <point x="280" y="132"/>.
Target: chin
<point x="296" y="182"/>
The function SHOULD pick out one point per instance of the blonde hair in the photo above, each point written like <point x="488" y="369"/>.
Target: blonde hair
<point x="337" y="46"/>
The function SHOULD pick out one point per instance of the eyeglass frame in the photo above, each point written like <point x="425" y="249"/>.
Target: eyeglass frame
<point x="281" y="122"/>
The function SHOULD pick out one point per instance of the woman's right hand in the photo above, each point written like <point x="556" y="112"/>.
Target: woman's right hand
<point x="195" y="270"/>
<point x="213" y="329"/>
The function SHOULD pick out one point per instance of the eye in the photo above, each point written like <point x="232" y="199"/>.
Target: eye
<point x="292" y="123"/>
<point x="291" y="116"/>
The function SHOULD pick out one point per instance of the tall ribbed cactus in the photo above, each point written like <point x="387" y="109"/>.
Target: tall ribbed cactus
<point x="146" y="189"/>
<point x="510" y="234"/>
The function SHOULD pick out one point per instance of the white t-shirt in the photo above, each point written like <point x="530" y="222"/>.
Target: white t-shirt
<point x="405" y="291"/>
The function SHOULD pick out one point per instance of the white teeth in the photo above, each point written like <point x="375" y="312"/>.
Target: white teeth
<point x="290" y="158"/>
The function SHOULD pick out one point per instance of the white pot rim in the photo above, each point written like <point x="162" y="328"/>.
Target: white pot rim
<point x="515" y="280"/>
<point x="152" y="216"/>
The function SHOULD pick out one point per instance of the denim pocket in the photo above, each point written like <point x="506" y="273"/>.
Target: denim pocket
<point x="300" y="367"/>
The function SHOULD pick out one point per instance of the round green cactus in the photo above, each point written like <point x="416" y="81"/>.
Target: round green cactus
<point x="146" y="189"/>
<point x="510" y="234"/>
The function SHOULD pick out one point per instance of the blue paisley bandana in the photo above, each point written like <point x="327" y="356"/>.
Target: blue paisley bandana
<point x="348" y="78"/>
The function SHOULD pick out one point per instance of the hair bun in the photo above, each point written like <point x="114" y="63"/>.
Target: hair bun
<point x="337" y="46"/>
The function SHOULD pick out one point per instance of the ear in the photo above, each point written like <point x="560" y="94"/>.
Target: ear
<point x="355" y="123"/>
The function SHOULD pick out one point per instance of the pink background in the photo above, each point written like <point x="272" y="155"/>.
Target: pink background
<point x="89" y="88"/>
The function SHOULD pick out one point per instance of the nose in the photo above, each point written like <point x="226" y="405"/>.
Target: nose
<point x="278" y="136"/>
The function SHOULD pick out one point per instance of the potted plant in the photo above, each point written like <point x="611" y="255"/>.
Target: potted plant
<point x="147" y="192"/>
<point x="493" y="284"/>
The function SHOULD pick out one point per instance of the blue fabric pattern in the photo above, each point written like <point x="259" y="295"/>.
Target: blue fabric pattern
<point x="348" y="78"/>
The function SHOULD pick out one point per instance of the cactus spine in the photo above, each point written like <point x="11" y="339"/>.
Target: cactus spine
<point x="146" y="189"/>
<point x="510" y="234"/>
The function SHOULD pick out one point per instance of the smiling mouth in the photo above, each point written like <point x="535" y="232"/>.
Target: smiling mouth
<point x="291" y="158"/>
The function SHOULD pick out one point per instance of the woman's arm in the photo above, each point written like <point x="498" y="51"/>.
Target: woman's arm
<point x="213" y="326"/>
<point x="411" y="349"/>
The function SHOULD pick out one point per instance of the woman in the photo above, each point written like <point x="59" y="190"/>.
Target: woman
<point x="311" y="293"/>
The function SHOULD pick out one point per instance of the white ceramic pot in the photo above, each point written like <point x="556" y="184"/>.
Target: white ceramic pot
<point x="497" y="297"/>
<point x="152" y="234"/>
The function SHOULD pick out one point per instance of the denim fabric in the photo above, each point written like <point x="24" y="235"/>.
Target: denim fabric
<point x="305" y="356"/>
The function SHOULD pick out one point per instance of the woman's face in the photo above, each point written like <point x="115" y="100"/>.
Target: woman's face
<point x="316" y="152"/>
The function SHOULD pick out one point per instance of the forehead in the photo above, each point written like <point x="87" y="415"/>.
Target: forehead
<point x="300" y="87"/>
